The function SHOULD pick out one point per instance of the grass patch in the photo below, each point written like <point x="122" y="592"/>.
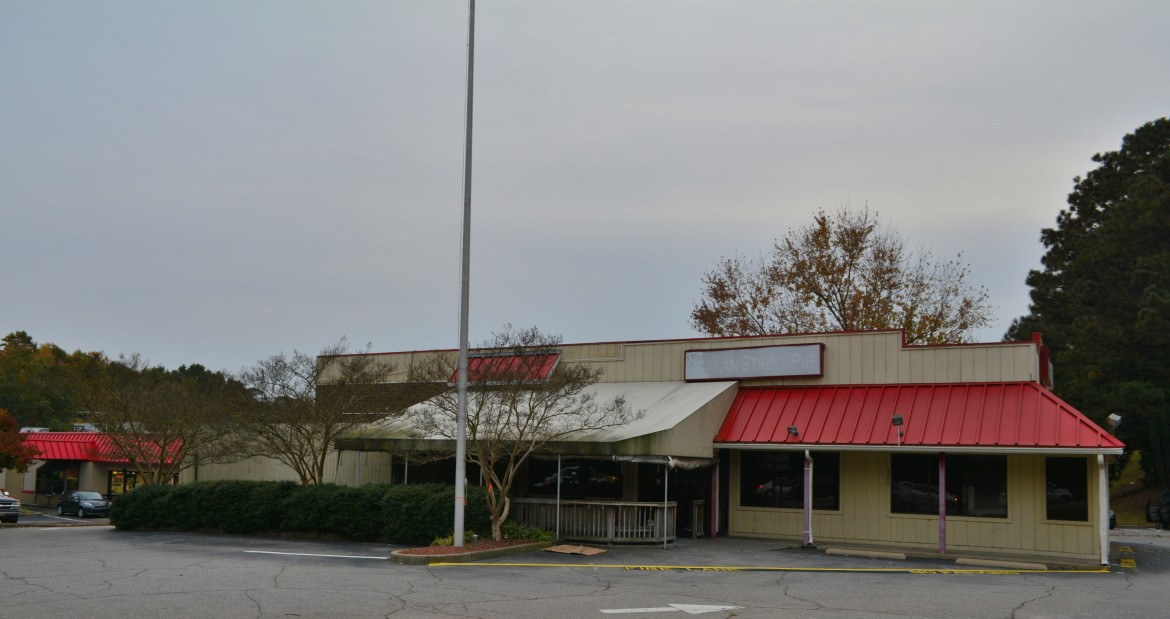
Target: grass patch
<point x="1128" y="495"/>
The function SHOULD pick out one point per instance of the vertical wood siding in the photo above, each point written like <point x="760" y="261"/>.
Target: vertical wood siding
<point x="865" y="517"/>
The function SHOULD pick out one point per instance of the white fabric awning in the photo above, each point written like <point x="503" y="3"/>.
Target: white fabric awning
<point x="678" y="419"/>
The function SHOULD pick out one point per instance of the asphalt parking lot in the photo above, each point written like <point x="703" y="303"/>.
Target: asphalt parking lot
<point x="96" y="572"/>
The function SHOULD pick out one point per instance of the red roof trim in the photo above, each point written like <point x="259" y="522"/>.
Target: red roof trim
<point x="87" y="446"/>
<point x="1021" y="415"/>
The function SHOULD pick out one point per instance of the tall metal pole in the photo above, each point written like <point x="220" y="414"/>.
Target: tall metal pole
<point x="461" y="415"/>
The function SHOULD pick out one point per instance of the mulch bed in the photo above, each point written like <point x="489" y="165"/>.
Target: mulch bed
<point x="458" y="550"/>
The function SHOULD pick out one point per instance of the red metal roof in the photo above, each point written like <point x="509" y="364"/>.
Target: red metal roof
<point x="966" y="415"/>
<point x="526" y="368"/>
<point x="87" y="446"/>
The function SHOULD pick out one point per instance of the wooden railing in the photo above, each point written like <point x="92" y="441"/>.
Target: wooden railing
<point x="611" y="522"/>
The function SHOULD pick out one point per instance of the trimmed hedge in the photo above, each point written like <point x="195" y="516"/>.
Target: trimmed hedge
<point x="396" y="514"/>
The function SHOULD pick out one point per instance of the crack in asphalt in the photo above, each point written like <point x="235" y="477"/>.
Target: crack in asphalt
<point x="1047" y="594"/>
<point x="259" y="606"/>
<point x="786" y="590"/>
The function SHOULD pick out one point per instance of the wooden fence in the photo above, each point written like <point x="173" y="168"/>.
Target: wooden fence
<point x="610" y="522"/>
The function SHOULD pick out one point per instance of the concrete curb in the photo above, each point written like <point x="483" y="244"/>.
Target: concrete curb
<point x="53" y="525"/>
<point x="401" y="556"/>
<point x="876" y="554"/>
<point x="1010" y="565"/>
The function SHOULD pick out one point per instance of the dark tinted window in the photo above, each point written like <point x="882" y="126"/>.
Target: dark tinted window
<point x="1066" y="489"/>
<point x="776" y="479"/>
<point x="580" y="479"/>
<point x="976" y="485"/>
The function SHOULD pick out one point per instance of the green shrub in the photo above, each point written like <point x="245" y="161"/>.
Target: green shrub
<point x="515" y="530"/>
<point x="181" y="508"/>
<point x="419" y="514"/>
<point x="401" y="514"/>
<point x="449" y="539"/>
<point x="243" y="506"/>
<point x="139" y="509"/>
<point x="355" y="513"/>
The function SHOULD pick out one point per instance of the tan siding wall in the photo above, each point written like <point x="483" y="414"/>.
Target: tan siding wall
<point x="375" y="468"/>
<point x="850" y="358"/>
<point x="865" y="516"/>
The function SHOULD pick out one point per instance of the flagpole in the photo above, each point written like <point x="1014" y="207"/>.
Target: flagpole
<point x="461" y="415"/>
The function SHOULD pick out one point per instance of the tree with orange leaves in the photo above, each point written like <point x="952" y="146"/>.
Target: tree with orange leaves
<point x="845" y="272"/>
<point x="14" y="454"/>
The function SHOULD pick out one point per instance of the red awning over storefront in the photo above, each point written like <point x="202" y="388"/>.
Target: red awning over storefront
<point x="969" y="416"/>
<point x="85" y="446"/>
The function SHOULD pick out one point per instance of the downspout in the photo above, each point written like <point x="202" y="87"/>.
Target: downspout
<point x="942" y="503"/>
<point x="808" y="499"/>
<point x="1103" y="507"/>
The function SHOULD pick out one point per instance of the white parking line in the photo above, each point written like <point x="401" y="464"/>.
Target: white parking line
<point x="306" y="554"/>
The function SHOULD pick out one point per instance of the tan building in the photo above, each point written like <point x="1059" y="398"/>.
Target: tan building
<point x="841" y="438"/>
<point x="69" y="461"/>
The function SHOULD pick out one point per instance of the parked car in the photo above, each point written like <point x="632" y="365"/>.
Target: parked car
<point x="9" y="508"/>
<point x="83" y="503"/>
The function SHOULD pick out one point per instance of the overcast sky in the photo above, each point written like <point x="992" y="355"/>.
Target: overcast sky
<point x="215" y="182"/>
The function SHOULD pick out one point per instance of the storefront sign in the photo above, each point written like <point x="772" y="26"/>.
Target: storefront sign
<point x="760" y="362"/>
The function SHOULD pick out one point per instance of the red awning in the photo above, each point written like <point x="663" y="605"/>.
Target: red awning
<point x="977" y="416"/>
<point x="509" y="368"/>
<point x="85" y="446"/>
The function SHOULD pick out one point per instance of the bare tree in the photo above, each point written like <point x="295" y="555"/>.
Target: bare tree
<point x="518" y="401"/>
<point x="162" y="422"/>
<point x="300" y="405"/>
<point x="844" y="272"/>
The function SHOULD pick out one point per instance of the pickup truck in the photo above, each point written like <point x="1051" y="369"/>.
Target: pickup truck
<point x="9" y="508"/>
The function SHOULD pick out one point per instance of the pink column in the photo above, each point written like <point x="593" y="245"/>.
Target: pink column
<point x="942" y="503"/>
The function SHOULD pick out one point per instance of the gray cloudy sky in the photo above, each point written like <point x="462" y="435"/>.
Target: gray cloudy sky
<point x="215" y="182"/>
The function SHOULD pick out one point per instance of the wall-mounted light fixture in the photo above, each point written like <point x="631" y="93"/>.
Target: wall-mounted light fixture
<point x="793" y="431"/>
<point x="897" y="421"/>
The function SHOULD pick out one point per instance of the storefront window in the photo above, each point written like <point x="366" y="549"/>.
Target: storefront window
<point x="54" y="478"/>
<point x="776" y="479"/>
<point x="580" y="479"/>
<point x="976" y="485"/>
<point x="121" y="482"/>
<point x="1066" y="489"/>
